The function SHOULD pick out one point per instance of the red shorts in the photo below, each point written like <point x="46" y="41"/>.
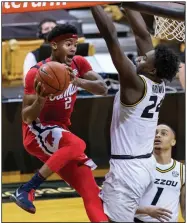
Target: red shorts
<point x="42" y="141"/>
<point x="54" y="143"/>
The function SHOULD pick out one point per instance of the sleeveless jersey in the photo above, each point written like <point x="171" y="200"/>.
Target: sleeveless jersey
<point x="133" y="127"/>
<point x="165" y="192"/>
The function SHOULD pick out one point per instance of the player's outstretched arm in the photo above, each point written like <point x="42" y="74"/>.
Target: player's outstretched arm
<point x="142" y="36"/>
<point x="88" y="80"/>
<point x="91" y="82"/>
<point x="127" y="71"/>
<point x="183" y="202"/>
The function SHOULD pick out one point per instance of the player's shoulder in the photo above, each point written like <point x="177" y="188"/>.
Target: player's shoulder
<point x="33" y="70"/>
<point x="180" y="166"/>
<point x="179" y="162"/>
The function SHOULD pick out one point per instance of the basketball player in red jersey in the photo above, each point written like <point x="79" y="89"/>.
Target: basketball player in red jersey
<point x="45" y="127"/>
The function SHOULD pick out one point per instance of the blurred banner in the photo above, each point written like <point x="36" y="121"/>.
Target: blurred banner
<point x="14" y="7"/>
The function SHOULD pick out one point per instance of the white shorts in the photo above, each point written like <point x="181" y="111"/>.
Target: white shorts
<point x="124" y="185"/>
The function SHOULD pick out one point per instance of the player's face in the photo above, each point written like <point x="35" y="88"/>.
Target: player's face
<point x="145" y="64"/>
<point x="164" y="139"/>
<point x="47" y="27"/>
<point x="66" y="50"/>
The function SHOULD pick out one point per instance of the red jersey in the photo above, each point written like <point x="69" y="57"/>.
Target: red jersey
<point x="57" y="109"/>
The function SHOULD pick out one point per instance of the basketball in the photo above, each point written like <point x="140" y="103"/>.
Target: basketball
<point x="55" y="77"/>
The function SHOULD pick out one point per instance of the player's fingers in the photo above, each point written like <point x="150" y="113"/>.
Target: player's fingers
<point x="165" y="214"/>
<point x="162" y="214"/>
<point x="72" y="81"/>
<point x="69" y="68"/>
<point x="38" y="87"/>
<point x="35" y="83"/>
<point x="159" y="219"/>
<point x="42" y="90"/>
<point x="72" y="76"/>
<point x="165" y="210"/>
<point x="164" y="218"/>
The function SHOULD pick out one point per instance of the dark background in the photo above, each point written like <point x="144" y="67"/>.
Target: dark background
<point x="90" y="121"/>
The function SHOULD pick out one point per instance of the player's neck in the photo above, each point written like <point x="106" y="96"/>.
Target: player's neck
<point x="53" y="58"/>
<point x="163" y="158"/>
<point x="153" y="78"/>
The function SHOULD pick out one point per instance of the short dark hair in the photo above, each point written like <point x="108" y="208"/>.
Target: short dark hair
<point x="166" y="62"/>
<point x="60" y="30"/>
<point x="46" y="20"/>
<point x="174" y="133"/>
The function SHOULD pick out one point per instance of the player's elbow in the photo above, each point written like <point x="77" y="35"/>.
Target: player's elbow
<point x="26" y="119"/>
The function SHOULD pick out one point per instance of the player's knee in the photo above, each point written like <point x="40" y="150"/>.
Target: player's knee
<point x="79" y="144"/>
<point x="82" y="145"/>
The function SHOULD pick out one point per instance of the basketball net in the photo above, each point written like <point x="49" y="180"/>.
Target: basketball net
<point x="169" y="29"/>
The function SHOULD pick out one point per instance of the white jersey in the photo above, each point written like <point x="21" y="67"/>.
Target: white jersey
<point x="133" y="127"/>
<point x="165" y="192"/>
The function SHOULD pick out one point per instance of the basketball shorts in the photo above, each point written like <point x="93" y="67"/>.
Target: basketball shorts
<point x="124" y="185"/>
<point x="42" y="141"/>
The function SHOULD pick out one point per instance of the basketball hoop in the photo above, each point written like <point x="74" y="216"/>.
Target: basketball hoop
<point x="166" y="28"/>
<point x="169" y="17"/>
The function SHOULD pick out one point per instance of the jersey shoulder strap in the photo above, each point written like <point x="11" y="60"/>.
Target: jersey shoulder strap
<point x="37" y="66"/>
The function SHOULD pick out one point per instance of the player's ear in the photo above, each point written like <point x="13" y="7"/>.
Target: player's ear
<point x="54" y="45"/>
<point x="173" y="142"/>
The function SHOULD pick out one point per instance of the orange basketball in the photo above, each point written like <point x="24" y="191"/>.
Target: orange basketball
<point x="54" y="76"/>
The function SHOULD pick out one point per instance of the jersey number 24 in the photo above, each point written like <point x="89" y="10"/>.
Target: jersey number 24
<point x="146" y="112"/>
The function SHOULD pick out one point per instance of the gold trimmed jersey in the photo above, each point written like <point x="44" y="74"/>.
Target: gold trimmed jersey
<point x="165" y="192"/>
<point x="133" y="127"/>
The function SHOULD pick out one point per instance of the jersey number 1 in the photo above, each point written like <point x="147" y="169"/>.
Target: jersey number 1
<point x="157" y="196"/>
